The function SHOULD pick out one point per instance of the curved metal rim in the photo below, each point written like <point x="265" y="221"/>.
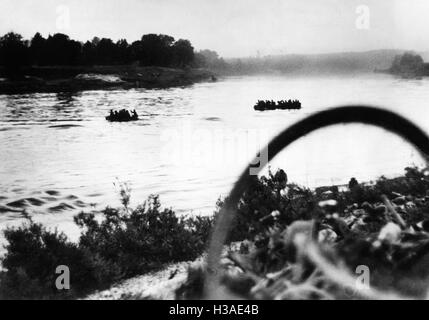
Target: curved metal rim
<point x="345" y="114"/>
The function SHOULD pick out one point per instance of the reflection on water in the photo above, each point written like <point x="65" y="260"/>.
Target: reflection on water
<point x="59" y="156"/>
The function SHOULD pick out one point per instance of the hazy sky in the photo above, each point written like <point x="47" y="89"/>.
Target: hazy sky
<point x="232" y="27"/>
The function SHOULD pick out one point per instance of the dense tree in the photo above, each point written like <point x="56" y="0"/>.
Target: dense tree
<point x="135" y="50"/>
<point x="183" y="53"/>
<point x="407" y="63"/>
<point x="13" y="53"/>
<point x="105" y="52"/>
<point x="88" y="53"/>
<point x="156" y="50"/>
<point x="123" y="52"/>
<point x="38" y="50"/>
<point x="209" y="59"/>
<point x="59" y="50"/>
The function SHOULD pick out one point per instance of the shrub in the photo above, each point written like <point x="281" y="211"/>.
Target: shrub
<point x="270" y="202"/>
<point x="123" y="244"/>
<point x="136" y="242"/>
<point x="265" y="196"/>
<point x="126" y="242"/>
<point x="33" y="254"/>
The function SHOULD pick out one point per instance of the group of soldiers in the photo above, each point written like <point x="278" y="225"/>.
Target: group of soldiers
<point x="281" y="104"/>
<point x="122" y="115"/>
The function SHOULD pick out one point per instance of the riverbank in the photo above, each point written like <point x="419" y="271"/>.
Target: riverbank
<point x="160" y="285"/>
<point x="381" y="229"/>
<point x="287" y="242"/>
<point x="72" y="79"/>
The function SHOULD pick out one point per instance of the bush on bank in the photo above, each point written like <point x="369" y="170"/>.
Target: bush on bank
<point x="272" y="201"/>
<point x="127" y="242"/>
<point x="309" y="244"/>
<point x="121" y="244"/>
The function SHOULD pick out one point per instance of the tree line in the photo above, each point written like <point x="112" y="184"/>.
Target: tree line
<point x="409" y="63"/>
<point x="59" y="50"/>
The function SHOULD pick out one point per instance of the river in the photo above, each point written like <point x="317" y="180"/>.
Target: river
<point x="58" y="155"/>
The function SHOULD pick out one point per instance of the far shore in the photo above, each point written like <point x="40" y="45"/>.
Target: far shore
<point x="72" y="79"/>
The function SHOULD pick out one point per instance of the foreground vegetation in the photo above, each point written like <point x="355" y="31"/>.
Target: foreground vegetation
<point x="294" y="243"/>
<point x="300" y="244"/>
<point x="126" y="242"/>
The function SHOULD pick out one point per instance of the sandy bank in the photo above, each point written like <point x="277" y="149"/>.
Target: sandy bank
<point x="66" y="79"/>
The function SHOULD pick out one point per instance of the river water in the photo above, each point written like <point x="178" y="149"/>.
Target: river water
<point x="58" y="155"/>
